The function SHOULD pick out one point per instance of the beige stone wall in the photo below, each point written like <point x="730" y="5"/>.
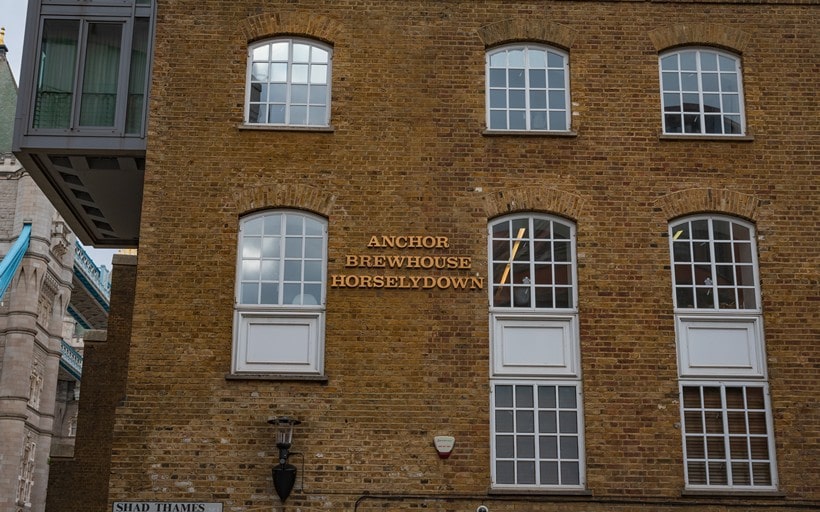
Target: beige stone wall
<point x="407" y="156"/>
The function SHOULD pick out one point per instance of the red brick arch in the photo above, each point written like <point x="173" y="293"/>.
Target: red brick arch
<point x="298" y="23"/>
<point x="537" y="199"/>
<point x="708" y="34"/>
<point x="702" y="200"/>
<point x="526" y="29"/>
<point x="301" y="197"/>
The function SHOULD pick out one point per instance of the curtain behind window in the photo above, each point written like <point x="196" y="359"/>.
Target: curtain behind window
<point x="100" y="77"/>
<point x="55" y="84"/>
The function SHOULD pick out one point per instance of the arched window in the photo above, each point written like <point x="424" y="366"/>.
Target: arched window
<point x="288" y="83"/>
<point x="714" y="264"/>
<point x="725" y="404"/>
<point x="527" y="88"/>
<point x="537" y="413"/>
<point x="280" y="293"/>
<point x="701" y="92"/>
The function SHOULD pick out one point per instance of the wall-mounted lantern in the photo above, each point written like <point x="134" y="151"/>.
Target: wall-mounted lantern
<point x="284" y="474"/>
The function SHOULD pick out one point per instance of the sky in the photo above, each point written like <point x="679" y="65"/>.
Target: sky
<point x="13" y="18"/>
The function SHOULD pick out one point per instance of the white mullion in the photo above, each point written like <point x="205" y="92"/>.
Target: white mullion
<point x="712" y="257"/>
<point x="724" y="411"/>
<point x="750" y="459"/>
<point x="527" y="123"/>
<point x="701" y="104"/>
<point x="280" y="280"/>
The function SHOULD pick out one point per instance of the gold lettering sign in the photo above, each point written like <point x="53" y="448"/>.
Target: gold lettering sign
<point x="407" y="262"/>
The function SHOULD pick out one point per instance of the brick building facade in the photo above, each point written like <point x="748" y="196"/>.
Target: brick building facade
<point x="579" y="237"/>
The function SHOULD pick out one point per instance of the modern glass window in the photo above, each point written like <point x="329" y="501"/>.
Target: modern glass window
<point x="92" y="75"/>
<point x="727" y="433"/>
<point x="702" y="93"/>
<point x="280" y="293"/>
<point x="288" y="83"/>
<point x="725" y="409"/>
<point x="527" y="88"/>
<point x="537" y="418"/>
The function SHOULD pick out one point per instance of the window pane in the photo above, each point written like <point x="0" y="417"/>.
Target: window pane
<point x="557" y="100"/>
<point x="261" y="53"/>
<point x="548" y="447"/>
<point x="299" y="94"/>
<point x="568" y="422"/>
<point x="279" y="51"/>
<point x="98" y="104"/>
<point x="549" y="473"/>
<point x="498" y="78"/>
<point x="504" y="421"/>
<point x="671" y="102"/>
<point x="270" y="293"/>
<point x="515" y="58"/>
<point x="270" y="270"/>
<point x="515" y="78"/>
<point x="558" y="121"/>
<point x="293" y="270"/>
<point x="517" y="120"/>
<point x="137" y="77"/>
<point x="669" y="63"/>
<point x="318" y="74"/>
<point x="517" y="99"/>
<point x="505" y="472"/>
<point x="538" y="79"/>
<point x="525" y="421"/>
<point x="298" y="115"/>
<point x="301" y="52"/>
<point x="503" y="396"/>
<point x="570" y="473"/>
<point x="525" y="447"/>
<point x="249" y="293"/>
<point x="567" y="397"/>
<point x="498" y="120"/>
<point x="312" y="294"/>
<point x="523" y="396"/>
<point x="278" y="72"/>
<point x="526" y="472"/>
<point x="546" y="397"/>
<point x="555" y="60"/>
<point x="276" y="114"/>
<point x="55" y="84"/>
<point x="319" y="55"/>
<point x="555" y="78"/>
<point x="251" y="269"/>
<point x="505" y="446"/>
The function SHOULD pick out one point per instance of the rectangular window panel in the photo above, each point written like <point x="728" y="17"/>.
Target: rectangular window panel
<point x="727" y="437"/>
<point x="537" y="440"/>
<point x="98" y="104"/>
<point x="55" y="83"/>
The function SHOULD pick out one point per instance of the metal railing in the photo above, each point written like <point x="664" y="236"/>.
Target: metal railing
<point x="102" y="281"/>
<point x="71" y="360"/>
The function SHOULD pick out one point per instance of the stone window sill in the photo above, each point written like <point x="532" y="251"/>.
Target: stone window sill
<point x="277" y="377"/>
<point x="282" y="128"/>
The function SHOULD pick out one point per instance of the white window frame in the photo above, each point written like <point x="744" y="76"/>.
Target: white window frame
<point x="534" y="345"/>
<point x="540" y="433"/>
<point x="280" y="337"/>
<point x="709" y="427"/>
<point x="700" y="87"/>
<point x="552" y="97"/>
<point x="720" y="344"/>
<point x="290" y="102"/>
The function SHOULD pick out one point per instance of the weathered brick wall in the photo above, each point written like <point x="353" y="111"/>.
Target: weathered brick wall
<point x="407" y="156"/>
<point x="80" y="484"/>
